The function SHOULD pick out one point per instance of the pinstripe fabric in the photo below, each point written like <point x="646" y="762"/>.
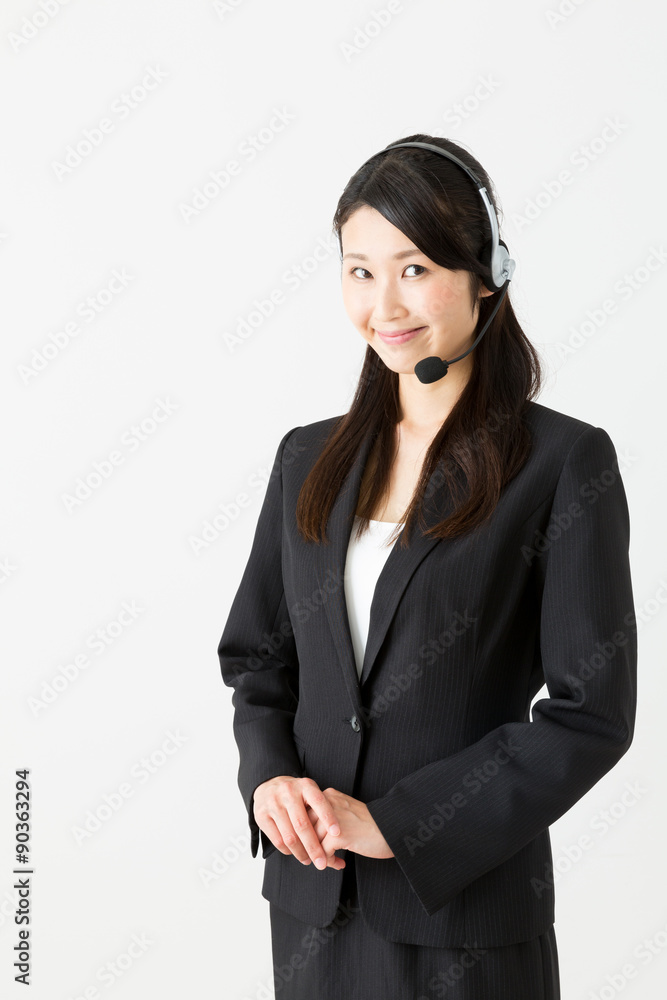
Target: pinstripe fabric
<point x="347" y="960"/>
<point x="436" y="736"/>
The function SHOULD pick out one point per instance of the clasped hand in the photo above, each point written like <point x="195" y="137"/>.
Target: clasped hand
<point x="312" y="824"/>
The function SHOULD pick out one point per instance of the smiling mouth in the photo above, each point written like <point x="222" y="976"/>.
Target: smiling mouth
<point x="399" y="336"/>
<point x="397" y="333"/>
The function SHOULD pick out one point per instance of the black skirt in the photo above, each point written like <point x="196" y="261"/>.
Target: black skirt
<point x="347" y="960"/>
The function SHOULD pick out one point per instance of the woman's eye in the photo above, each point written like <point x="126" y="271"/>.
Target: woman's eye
<point x="420" y="266"/>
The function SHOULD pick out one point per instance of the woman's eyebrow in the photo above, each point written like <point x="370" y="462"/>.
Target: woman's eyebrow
<point x="397" y="256"/>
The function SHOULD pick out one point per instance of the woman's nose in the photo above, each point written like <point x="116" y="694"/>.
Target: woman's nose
<point x="388" y="305"/>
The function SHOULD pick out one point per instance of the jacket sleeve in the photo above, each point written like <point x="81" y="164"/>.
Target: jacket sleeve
<point x="457" y="818"/>
<point x="258" y="659"/>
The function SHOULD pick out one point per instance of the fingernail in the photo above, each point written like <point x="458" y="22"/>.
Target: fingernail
<point x="320" y="862"/>
<point x="334" y="830"/>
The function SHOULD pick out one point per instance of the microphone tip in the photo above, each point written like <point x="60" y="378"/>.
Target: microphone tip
<point x="431" y="369"/>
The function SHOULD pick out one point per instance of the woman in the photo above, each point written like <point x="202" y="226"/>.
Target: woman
<point x="421" y="566"/>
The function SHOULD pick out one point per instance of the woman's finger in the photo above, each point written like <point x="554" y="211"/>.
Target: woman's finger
<point x="320" y="804"/>
<point x="303" y="829"/>
<point x="292" y="810"/>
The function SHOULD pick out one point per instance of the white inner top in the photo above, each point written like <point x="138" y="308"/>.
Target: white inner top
<point x="363" y="564"/>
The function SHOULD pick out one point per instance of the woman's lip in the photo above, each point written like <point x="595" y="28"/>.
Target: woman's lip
<point x="400" y="336"/>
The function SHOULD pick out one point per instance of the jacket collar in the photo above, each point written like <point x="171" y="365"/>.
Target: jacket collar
<point x="392" y="581"/>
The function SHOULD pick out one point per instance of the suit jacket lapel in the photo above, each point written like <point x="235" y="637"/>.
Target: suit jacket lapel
<point x="393" y="578"/>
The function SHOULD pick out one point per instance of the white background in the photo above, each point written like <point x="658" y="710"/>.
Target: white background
<point x="217" y="76"/>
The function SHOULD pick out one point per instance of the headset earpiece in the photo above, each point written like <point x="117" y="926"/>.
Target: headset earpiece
<point x="485" y="258"/>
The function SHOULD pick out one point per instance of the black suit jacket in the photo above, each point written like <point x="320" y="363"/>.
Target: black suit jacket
<point x="437" y="737"/>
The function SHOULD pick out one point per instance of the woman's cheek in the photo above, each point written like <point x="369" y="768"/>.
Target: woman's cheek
<point x="440" y="303"/>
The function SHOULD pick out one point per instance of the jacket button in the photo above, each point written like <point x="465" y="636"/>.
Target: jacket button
<point x="354" y="722"/>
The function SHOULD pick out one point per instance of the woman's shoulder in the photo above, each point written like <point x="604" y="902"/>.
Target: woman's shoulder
<point x="314" y="433"/>
<point x="552" y="428"/>
<point x="548" y="421"/>
<point x="304" y="442"/>
<point x="317" y="427"/>
<point x="559" y="438"/>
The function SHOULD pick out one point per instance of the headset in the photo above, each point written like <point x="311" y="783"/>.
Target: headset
<point x="495" y="256"/>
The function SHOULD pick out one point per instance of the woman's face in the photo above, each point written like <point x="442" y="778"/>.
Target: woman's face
<point x="389" y="286"/>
